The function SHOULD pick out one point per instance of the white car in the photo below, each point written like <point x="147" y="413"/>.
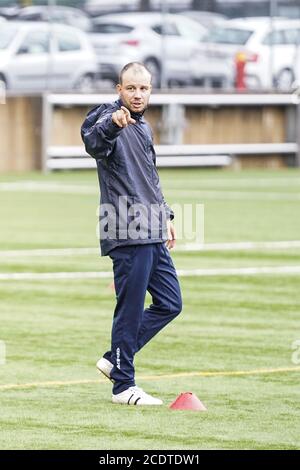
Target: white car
<point x="99" y="7"/>
<point x="56" y="14"/>
<point x="39" y="56"/>
<point x="269" y="52"/>
<point x="126" y="37"/>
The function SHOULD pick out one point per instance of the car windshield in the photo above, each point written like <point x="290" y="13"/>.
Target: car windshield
<point x="228" y="36"/>
<point x="111" y="28"/>
<point x="190" y="29"/>
<point x="7" y="34"/>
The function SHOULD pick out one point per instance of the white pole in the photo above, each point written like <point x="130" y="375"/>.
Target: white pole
<point x="51" y="5"/>
<point x="164" y="13"/>
<point x="273" y="12"/>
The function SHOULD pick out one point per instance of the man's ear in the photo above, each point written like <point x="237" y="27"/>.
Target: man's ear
<point x="118" y="87"/>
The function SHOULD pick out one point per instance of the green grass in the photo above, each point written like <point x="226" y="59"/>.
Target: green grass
<point x="55" y="330"/>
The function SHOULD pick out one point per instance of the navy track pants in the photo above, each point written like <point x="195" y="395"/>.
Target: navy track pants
<point x="138" y="268"/>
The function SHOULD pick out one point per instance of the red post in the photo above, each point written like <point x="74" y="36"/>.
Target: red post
<point x="240" y="63"/>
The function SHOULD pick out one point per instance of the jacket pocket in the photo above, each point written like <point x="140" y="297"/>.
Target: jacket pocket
<point x="123" y="259"/>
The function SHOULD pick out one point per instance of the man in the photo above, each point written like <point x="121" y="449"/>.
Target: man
<point x="136" y="229"/>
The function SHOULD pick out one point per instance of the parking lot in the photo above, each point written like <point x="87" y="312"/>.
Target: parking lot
<point x="181" y="46"/>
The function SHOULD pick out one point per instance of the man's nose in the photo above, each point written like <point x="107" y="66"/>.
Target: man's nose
<point x="137" y="93"/>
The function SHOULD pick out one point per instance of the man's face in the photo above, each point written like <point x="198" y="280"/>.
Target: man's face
<point x="135" y="90"/>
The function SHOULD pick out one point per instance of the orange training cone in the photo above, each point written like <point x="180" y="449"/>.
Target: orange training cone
<point x="187" y="401"/>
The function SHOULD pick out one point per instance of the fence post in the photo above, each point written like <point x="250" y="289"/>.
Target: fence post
<point x="298" y="134"/>
<point x="173" y="122"/>
<point x="46" y="130"/>
<point x="296" y="101"/>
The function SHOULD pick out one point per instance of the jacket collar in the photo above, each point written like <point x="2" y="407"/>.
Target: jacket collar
<point x="136" y="116"/>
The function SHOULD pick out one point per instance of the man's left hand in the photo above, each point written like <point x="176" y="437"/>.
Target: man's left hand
<point x="171" y="235"/>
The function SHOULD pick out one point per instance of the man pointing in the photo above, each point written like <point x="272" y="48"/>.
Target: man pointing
<point x="135" y="229"/>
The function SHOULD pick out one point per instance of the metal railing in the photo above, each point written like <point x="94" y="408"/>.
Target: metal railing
<point x="72" y="157"/>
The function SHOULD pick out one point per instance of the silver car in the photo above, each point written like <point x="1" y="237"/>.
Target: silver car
<point x="39" y="56"/>
<point x="171" y="42"/>
<point x="99" y="7"/>
<point x="58" y="14"/>
<point x="268" y="51"/>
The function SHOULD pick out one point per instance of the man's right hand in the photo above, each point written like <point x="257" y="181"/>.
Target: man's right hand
<point x="122" y="117"/>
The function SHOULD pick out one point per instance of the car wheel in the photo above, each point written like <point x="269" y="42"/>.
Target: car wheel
<point x="154" y="67"/>
<point x="285" y="80"/>
<point x="85" y="83"/>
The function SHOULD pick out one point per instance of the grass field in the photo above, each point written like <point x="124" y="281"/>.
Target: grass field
<point x="232" y="344"/>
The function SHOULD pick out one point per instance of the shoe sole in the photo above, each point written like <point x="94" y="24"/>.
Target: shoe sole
<point x="144" y="404"/>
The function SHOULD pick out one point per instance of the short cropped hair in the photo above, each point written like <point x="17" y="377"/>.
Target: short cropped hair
<point x="130" y="65"/>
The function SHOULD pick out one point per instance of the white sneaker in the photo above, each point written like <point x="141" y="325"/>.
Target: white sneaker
<point x="105" y="367"/>
<point x="135" y="396"/>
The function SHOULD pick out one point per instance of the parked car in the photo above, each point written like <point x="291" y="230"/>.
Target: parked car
<point x="9" y="12"/>
<point x="39" y="56"/>
<point x="127" y="37"/>
<point x="172" y="5"/>
<point x="296" y="70"/>
<point x="268" y="51"/>
<point x="100" y="7"/>
<point x="58" y="14"/>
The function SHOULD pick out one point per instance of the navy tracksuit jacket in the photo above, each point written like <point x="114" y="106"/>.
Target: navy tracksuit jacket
<point x="125" y="160"/>
<point x="126" y="167"/>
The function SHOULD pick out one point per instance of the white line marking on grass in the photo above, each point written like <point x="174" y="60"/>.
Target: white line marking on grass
<point x="233" y="373"/>
<point x="249" y="271"/>
<point x="233" y="195"/>
<point x="270" y="245"/>
<point x="53" y="187"/>
<point x="49" y="252"/>
<point x="35" y="186"/>
<point x="241" y="182"/>
<point x="55" y="276"/>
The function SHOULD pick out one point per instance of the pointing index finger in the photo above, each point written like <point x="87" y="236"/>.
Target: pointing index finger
<point x="128" y="115"/>
<point x="126" y="111"/>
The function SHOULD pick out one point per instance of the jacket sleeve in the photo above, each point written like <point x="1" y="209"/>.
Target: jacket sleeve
<point x="169" y="212"/>
<point x="99" y="133"/>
